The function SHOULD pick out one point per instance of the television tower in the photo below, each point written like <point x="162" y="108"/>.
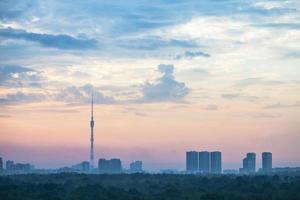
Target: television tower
<point x="92" y="135"/>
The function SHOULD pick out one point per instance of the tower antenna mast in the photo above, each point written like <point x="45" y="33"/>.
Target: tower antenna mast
<point x="92" y="123"/>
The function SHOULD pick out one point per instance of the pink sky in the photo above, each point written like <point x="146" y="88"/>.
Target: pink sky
<point x="160" y="138"/>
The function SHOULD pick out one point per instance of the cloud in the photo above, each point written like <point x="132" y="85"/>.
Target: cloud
<point x="141" y="114"/>
<point x="134" y="111"/>
<point x="279" y="106"/>
<point x="20" y="98"/>
<point x="18" y="76"/>
<point x="82" y="95"/>
<point x="70" y="95"/>
<point x="154" y="42"/>
<point x="263" y="115"/>
<point x="238" y="96"/>
<point x="166" y="88"/>
<point x="194" y="74"/>
<point x="48" y="40"/>
<point x="211" y="107"/>
<point x="5" y="116"/>
<point x="281" y="25"/>
<point x="12" y="9"/>
<point x="293" y="54"/>
<point x="192" y="54"/>
<point x="258" y="81"/>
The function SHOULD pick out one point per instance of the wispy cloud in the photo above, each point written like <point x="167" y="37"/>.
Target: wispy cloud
<point x="263" y="115"/>
<point x="18" y="76"/>
<point x="211" y="107"/>
<point x="192" y="54"/>
<point x="82" y="95"/>
<point x="5" y="116"/>
<point x="154" y="43"/>
<point x="258" y="81"/>
<point x="21" y="98"/>
<point x="281" y="25"/>
<point x="239" y="96"/>
<point x="279" y="106"/>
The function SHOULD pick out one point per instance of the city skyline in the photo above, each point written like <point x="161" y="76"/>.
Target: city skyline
<point x="217" y="76"/>
<point x="202" y="162"/>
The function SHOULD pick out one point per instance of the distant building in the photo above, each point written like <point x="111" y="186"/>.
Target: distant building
<point x="192" y="161"/>
<point x="9" y="165"/>
<point x="204" y="161"/>
<point x="136" y="166"/>
<point x="266" y="162"/>
<point x="20" y="167"/>
<point x="1" y="164"/>
<point x="251" y="161"/>
<point x="12" y="167"/>
<point x="110" y="166"/>
<point x="216" y="162"/>
<point x="244" y="169"/>
<point x="65" y="170"/>
<point x="249" y="164"/>
<point x="116" y="165"/>
<point x="230" y="171"/>
<point x="82" y="167"/>
<point x="169" y="171"/>
<point x="286" y="170"/>
<point x="103" y="165"/>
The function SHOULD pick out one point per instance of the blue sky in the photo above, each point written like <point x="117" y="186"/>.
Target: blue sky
<point x="198" y="35"/>
<point x="221" y="58"/>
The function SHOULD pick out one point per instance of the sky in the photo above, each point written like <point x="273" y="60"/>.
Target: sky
<point x="167" y="77"/>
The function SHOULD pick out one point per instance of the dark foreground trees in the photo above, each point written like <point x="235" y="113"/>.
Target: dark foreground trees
<point x="148" y="187"/>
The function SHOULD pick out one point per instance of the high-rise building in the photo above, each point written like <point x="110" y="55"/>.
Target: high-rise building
<point x="103" y="165"/>
<point x="116" y="165"/>
<point x="216" y="162"/>
<point x="204" y="162"/>
<point x="9" y="165"/>
<point x="136" y="166"/>
<point x="266" y="161"/>
<point x="251" y="162"/>
<point x="192" y="161"/>
<point x="244" y="169"/>
<point x="110" y="166"/>
<point x="1" y="164"/>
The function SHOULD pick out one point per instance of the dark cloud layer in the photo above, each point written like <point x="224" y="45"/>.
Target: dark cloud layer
<point x="48" y="40"/>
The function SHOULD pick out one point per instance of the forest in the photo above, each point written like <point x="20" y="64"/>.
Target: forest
<point x="69" y="186"/>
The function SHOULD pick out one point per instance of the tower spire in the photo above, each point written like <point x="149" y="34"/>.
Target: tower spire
<point x="92" y="123"/>
<point x="92" y="114"/>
